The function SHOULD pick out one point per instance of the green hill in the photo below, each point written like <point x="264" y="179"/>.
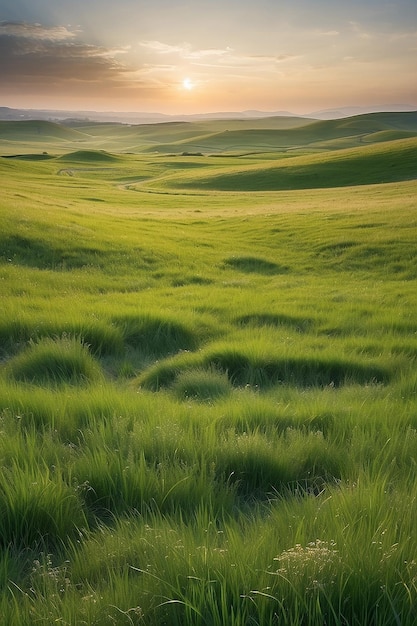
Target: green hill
<point x="389" y="135"/>
<point x="90" y="156"/>
<point x="278" y="133"/>
<point x="37" y="130"/>
<point x="383" y="162"/>
<point x="226" y="136"/>
<point x="209" y="137"/>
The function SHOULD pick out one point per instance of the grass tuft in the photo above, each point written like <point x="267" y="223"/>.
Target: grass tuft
<point x="47" y="514"/>
<point x="64" y="360"/>
<point x="255" y="265"/>
<point x="300" y="324"/>
<point x="201" y="385"/>
<point x="243" y="370"/>
<point x="158" y="336"/>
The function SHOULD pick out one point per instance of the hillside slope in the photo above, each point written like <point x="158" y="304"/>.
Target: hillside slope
<point x="276" y="134"/>
<point x="383" y="162"/>
<point x="232" y="136"/>
<point x="38" y="131"/>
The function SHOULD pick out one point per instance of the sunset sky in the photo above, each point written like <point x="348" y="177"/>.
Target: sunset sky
<point x="196" y="56"/>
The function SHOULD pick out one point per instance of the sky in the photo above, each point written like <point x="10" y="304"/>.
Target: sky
<point x="199" y="56"/>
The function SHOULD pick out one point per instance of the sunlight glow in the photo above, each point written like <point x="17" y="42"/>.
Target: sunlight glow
<point x="188" y="84"/>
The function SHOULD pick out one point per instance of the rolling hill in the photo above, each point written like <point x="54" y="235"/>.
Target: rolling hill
<point x="383" y="162"/>
<point x="277" y="134"/>
<point x="226" y="136"/>
<point x="37" y="130"/>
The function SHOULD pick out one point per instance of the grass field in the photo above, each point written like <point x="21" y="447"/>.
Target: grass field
<point x="208" y="379"/>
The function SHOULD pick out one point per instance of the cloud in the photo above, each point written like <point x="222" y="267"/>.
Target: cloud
<point x="32" y="53"/>
<point x="36" y="31"/>
<point x="165" y="48"/>
<point x="183" y="50"/>
<point x="359" y="31"/>
<point x="209" y="52"/>
<point x="215" y="57"/>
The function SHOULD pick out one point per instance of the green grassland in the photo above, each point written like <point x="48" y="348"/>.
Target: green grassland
<point x="208" y="386"/>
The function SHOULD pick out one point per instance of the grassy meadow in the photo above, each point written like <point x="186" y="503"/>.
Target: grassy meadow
<point x="208" y="383"/>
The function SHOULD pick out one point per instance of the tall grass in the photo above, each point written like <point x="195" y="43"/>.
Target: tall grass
<point x="207" y="414"/>
<point x="64" y="360"/>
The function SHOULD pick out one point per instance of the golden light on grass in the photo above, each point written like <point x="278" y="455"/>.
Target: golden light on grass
<point x="201" y="320"/>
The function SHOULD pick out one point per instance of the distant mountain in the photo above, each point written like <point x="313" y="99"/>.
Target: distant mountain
<point x="142" y="117"/>
<point x="139" y="117"/>
<point x="233" y="115"/>
<point x="7" y="113"/>
<point x="333" y="114"/>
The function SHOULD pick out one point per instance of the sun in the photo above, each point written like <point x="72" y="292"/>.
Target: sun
<point x="188" y="84"/>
